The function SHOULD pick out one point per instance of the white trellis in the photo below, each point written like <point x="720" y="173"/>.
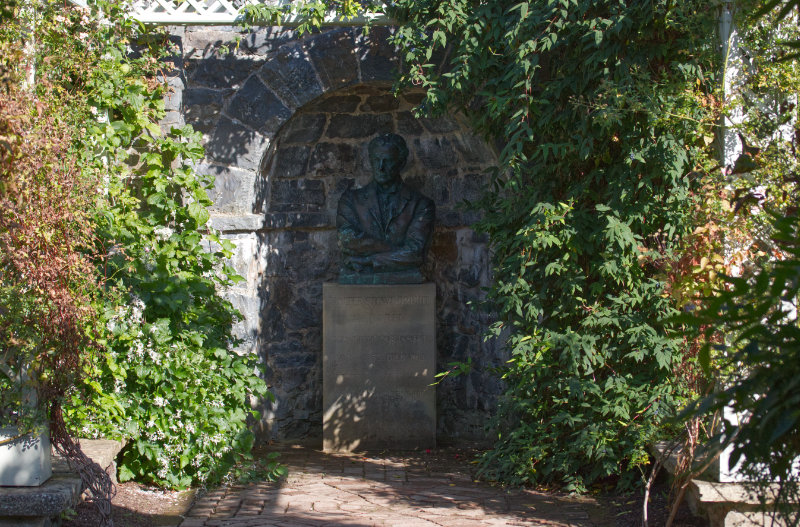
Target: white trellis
<point x="224" y="12"/>
<point x="186" y="12"/>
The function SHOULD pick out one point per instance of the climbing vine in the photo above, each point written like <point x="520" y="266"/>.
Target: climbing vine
<point x="604" y="115"/>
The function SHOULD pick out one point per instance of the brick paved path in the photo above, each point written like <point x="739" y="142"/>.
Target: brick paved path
<point x="408" y="489"/>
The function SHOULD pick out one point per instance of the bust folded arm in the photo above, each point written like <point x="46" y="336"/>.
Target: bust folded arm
<point x="411" y="253"/>
<point x="352" y="238"/>
<point x="364" y="252"/>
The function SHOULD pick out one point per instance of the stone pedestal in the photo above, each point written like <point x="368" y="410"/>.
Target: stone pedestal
<point x="379" y="360"/>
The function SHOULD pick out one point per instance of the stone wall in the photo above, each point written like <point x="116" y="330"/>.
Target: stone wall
<point x="286" y="122"/>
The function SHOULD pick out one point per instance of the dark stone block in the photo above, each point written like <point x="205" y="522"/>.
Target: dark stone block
<point x="278" y="351"/>
<point x="257" y="106"/>
<point x="290" y="74"/>
<point x="407" y="124"/>
<point x="379" y="59"/>
<point x="358" y="126"/>
<point x="303" y="314"/>
<point x="298" y="192"/>
<point x="280" y="292"/>
<point x="444" y="247"/>
<point x="333" y="158"/>
<point x="448" y="218"/>
<point x="206" y="42"/>
<point x="440" y="125"/>
<point x="470" y="277"/>
<point x="380" y="103"/>
<point x="434" y="153"/>
<point x="296" y="358"/>
<point x="293" y="378"/>
<point x="290" y="161"/>
<point x="221" y="73"/>
<point x="415" y="98"/>
<point x="265" y="40"/>
<point x="334" y="58"/>
<point x="298" y="237"/>
<point x="471" y="217"/>
<point x="338" y="104"/>
<point x="297" y="220"/>
<point x="292" y="207"/>
<point x="432" y="185"/>
<point x="473" y="150"/>
<point x="368" y="89"/>
<point x="468" y="188"/>
<point x="232" y="143"/>
<point x="273" y="323"/>
<point x="313" y="339"/>
<point x="304" y="128"/>
<point x="201" y="107"/>
<point x="343" y="184"/>
<point x="295" y="429"/>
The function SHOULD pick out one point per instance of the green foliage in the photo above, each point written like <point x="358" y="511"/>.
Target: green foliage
<point x="168" y="381"/>
<point x="753" y="318"/>
<point x="759" y="316"/>
<point x="167" y="378"/>
<point x="600" y="112"/>
<point x="309" y="14"/>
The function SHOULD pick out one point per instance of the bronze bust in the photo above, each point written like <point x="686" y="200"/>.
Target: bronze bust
<point x="384" y="226"/>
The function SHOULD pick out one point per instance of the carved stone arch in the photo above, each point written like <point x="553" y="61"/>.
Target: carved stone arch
<point x="287" y="122"/>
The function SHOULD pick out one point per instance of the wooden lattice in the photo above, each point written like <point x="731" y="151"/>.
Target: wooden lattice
<point x="186" y="11"/>
<point x="223" y="12"/>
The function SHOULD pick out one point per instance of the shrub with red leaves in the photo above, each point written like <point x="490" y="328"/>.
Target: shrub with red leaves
<point x="46" y="274"/>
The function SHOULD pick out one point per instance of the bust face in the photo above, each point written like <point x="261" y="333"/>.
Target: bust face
<point x="386" y="164"/>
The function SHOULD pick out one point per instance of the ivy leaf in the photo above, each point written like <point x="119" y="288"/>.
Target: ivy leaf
<point x="198" y="213"/>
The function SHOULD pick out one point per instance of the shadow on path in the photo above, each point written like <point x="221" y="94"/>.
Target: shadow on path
<point x="389" y="488"/>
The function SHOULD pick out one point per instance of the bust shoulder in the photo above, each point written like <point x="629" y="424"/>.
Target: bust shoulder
<point x="409" y="193"/>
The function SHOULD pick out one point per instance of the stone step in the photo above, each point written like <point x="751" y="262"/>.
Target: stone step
<point x="723" y="504"/>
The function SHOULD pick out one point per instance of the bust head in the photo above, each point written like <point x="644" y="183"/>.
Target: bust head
<point x="388" y="154"/>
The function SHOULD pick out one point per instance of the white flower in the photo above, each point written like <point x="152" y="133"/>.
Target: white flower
<point x="154" y="356"/>
<point x="137" y="309"/>
<point x="163" y="233"/>
<point x="159" y="401"/>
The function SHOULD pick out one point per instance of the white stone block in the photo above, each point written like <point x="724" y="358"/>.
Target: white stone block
<point x="25" y="461"/>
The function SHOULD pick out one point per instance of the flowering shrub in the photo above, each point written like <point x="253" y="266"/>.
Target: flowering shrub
<point x="132" y="217"/>
<point x="169" y="380"/>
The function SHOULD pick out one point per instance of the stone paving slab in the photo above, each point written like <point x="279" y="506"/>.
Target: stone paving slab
<point x="427" y="489"/>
